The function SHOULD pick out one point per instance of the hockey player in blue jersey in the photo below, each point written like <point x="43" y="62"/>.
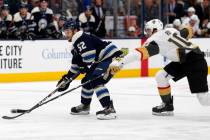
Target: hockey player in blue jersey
<point x="91" y="56"/>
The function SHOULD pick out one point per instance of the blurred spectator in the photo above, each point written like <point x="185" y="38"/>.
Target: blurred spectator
<point x="134" y="6"/>
<point x="5" y="22"/>
<point x="175" y="10"/>
<point x="203" y="11"/>
<point x="194" y="23"/>
<point x="26" y="2"/>
<point x="72" y="7"/>
<point x="132" y="32"/>
<point x="107" y="4"/>
<point x="87" y="20"/>
<point x="55" y="5"/>
<point x="1" y="4"/>
<point x="177" y="24"/>
<point x="206" y="29"/>
<point x="43" y="16"/>
<point x="12" y="5"/>
<point x="190" y="12"/>
<point x="24" y="25"/>
<point x="98" y="13"/>
<point x="56" y="19"/>
<point x="86" y="2"/>
<point x="121" y="8"/>
<point x="137" y="11"/>
<point x="35" y="3"/>
<point x="151" y="10"/>
<point x="189" y="3"/>
<point x="207" y="32"/>
<point x="59" y="26"/>
<point x="94" y="23"/>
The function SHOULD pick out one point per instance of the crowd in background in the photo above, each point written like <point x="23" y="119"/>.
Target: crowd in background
<point x="44" y="19"/>
<point x="192" y="13"/>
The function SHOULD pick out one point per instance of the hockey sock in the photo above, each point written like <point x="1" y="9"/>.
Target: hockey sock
<point x="86" y="96"/>
<point x="165" y="94"/>
<point x="166" y="98"/>
<point x="103" y="95"/>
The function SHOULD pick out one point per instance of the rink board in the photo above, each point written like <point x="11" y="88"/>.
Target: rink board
<point x="23" y="61"/>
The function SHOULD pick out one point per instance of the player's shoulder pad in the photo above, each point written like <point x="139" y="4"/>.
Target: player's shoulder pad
<point x="76" y="36"/>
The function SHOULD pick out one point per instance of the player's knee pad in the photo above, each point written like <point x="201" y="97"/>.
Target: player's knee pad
<point x="162" y="78"/>
<point x="204" y="98"/>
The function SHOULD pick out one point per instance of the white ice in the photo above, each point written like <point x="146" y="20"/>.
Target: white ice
<point x="133" y="99"/>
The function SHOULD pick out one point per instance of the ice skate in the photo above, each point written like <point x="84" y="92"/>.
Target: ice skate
<point x="107" y="114"/>
<point x="80" y="110"/>
<point x="165" y="109"/>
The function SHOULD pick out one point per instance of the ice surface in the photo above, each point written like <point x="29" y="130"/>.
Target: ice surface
<point x="133" y="100"/>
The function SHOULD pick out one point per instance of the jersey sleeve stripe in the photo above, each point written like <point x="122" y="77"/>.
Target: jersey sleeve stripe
<point x="89" y="56"/>
<point x="107" y="52"/>
<point x="89" y="53"/>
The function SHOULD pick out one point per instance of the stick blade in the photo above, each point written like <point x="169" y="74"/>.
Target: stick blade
<point x="7" y="117"/>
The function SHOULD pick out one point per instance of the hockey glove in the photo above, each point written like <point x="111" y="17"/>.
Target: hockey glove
<point x="115" y="66"/>
<point x="64" y="83"/>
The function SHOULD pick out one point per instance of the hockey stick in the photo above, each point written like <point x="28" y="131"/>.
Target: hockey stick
<point x="48" y="96"/>
<point x="42" y="101"/>
<point x="22" y="111"/>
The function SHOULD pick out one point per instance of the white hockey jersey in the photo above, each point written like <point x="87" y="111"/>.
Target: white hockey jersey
<point x="167" y="43"/>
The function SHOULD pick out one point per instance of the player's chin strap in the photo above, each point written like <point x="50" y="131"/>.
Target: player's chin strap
<point x="43" y="101"/>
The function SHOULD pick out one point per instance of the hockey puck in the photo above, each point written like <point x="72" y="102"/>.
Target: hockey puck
<point x="18" y="111"/>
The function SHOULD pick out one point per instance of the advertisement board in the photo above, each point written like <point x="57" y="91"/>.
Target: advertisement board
<point x="44" y="59"/>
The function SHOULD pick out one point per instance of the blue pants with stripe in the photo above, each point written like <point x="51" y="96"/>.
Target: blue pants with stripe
<point x="97" y="85"/>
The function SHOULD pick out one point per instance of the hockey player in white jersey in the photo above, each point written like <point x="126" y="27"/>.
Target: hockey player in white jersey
<point x="186" y="60"/>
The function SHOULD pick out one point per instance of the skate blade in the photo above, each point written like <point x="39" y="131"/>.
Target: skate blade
<point x="168" y="113"/>
<point x="110" y="116"/>
<point x="80" y="113"/>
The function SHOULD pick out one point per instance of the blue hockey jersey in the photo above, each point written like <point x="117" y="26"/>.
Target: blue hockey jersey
<point x="87" y="50"/>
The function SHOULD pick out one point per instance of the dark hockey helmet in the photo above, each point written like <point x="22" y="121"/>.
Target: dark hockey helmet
<point x="71" y="24"/>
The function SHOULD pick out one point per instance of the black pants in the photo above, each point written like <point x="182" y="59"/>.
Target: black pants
<point x="195" y="68"/>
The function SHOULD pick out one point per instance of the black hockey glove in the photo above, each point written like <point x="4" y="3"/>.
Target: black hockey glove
<point x="65" y="82"/>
